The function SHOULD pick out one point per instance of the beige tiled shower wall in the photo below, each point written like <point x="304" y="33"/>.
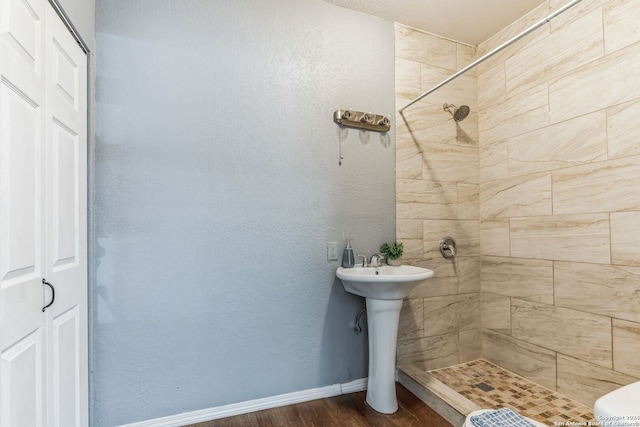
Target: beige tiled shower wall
<point x="540" y="186"/>
<point x="559" y="139"/>
<point x="437" y="195"/>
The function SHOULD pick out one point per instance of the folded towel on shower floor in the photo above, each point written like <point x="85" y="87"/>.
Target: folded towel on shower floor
<point x="503" y="417"/>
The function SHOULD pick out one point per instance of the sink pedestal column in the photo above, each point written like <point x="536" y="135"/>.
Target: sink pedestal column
<point x="383" y="317"/>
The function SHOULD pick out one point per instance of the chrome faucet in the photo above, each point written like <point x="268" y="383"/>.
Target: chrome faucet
<point x="378" y="258"/>
<point x="364" y="260"/>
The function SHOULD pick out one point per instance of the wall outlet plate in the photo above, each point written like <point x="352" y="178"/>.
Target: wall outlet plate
<point x="332" y="251"/>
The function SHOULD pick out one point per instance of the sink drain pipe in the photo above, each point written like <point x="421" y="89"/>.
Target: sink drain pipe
<point x="356" y="325"/>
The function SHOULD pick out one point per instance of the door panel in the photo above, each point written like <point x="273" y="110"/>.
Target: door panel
<point x="21" y="221"/>
<point x="66" y="169"/>
<point x="66" y="230"/>
<point x="21" y="27"/>
<point x="66" y="371"/>
<point x="66" y="75"/>
<point x="22" y="382"/>
<point x="65" y="197"/>
<point x="22" y="97"/>
<point x="21" y="186"/>
<point x="43" y="137"/>
<point x="21" y="35"/>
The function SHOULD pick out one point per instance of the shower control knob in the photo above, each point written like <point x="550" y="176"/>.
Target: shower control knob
<point x="448" y="247"/>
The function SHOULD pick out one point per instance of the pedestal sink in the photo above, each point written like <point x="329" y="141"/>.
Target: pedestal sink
<point x="384" y="289"/>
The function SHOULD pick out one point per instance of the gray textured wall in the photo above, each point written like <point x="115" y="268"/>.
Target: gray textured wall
<point x="217" y="188"/>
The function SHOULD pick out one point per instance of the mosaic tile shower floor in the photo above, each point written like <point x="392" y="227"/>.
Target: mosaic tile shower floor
<point x="512" y="391"/>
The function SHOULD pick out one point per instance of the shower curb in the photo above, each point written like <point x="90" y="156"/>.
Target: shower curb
<point x="449" y="404"/>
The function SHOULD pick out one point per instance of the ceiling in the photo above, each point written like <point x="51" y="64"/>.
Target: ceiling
<point x="467" y="21"/>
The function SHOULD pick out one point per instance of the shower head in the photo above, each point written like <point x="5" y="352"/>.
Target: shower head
<point x="458" y="113"/>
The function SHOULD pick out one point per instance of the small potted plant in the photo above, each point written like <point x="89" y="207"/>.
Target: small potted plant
<point x="392" y="252"/>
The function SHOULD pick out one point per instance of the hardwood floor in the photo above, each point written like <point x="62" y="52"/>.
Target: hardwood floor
<point x="348" y="410"/>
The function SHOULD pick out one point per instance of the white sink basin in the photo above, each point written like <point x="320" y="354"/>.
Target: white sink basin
<point x="386" y="282"/>
<point x="384" y="288"/>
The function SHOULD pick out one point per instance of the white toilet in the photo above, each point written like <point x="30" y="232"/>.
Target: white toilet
<point x="467" y="423"/>
<point x="621" y="407"/>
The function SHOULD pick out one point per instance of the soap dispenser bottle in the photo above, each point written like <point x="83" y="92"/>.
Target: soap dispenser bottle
<point x="348" y="260"/>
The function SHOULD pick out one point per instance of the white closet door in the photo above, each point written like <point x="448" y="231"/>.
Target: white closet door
<point x="22" y="97"/>
<point x="43" y="355"/>
<point x="66" y="224"/>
